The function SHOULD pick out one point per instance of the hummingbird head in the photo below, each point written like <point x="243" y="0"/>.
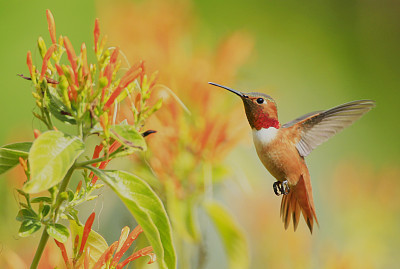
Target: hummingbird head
<point x="261" y="110"/>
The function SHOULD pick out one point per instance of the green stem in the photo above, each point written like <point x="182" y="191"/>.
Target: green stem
<point x="45" y="235"/>
<point x="39" y="251"/>
<point x="81" y="164"/>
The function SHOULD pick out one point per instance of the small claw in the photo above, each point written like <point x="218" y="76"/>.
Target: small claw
<point x="285" y="187"/>
<point x="276" y="188"/>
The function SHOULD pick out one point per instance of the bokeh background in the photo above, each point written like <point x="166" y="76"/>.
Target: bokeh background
<point x="308" y="55"/>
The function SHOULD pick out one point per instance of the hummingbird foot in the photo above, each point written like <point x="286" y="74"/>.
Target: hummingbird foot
<point x="281" y="188"/>
<point x="285" y="187"/>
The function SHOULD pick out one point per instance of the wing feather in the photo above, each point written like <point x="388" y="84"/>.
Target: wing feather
<point x="319" y="126"/>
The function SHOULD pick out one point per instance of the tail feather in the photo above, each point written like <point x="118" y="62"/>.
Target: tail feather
<point x="299" y="200"/>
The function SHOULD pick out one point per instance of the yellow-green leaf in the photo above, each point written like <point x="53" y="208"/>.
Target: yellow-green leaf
<point x="9" y="155"/>
<point x="232" y="237"/>
<point x="95" y="242"/>
<point x="147" y="209"/>
<point x="58" y="232"/>
<point x="50" y="157"/>
<point x="128" y="136"/>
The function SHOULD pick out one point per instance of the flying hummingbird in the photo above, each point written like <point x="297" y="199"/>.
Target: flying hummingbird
<point x="282" y="148"/>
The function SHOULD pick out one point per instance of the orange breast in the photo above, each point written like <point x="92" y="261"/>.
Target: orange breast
<point x="277" y="151"/>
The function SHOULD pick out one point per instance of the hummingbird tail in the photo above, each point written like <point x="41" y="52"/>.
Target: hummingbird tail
<point x="299" y="200"/>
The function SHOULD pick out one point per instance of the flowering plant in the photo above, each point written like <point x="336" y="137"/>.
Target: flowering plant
<point x="87" y="96"/>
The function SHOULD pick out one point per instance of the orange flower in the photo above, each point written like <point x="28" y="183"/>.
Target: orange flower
<point x="46" y="60"/>
<point x="147" y="251"/>
<point x="59" y="70"/>
<point x="64" y="254"/>
<point x="128" y="242"/>
<point x="52" y="26"/>
<point x="86" y="231"/>
<point x="85" y="67"/>
<point x="96" y="35"/>
<point x="72" y="58"/>
<point x="29" y="63"/>
<point x="127" y="79"/>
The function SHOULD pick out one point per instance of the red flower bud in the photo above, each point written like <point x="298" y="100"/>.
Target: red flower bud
<point x="127" y="79"/>
<point x="147" y="251"/>
<point x="64" y="254"/>
<point x="96" y="34"/>
<point x="46" y="60"/>
<point x="29" y="63"/>
<point x="86" y="231"/>
<point x="71" y="57"/>
<point x="52" y="26"/>
<point x="36" y="133"/>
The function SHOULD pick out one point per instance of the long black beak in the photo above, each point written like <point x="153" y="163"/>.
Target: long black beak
<point x="229" y="89"/>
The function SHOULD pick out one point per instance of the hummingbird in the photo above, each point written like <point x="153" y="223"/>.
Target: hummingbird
<point x="282" y="148"/>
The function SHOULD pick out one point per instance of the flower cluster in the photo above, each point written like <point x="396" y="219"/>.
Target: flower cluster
<point x="86" y="94"/>
<point x="111" y="256"/>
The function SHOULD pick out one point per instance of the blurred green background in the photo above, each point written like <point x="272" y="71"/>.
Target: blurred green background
<point x="308" y="55"/>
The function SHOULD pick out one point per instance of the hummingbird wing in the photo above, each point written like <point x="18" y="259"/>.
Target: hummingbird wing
<point x="317" y="127"/>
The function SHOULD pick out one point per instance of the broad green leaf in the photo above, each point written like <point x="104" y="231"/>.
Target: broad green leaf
<point x="50" y="157"/>
<point x="9" y="155"/>
<point x="28" y="227"/>
<point x="27" y="214"/>
<point x="232" y="237"/>
<point x="58" y="232"/>
<point x="95" y="242"/>
<point x="128" y="136"/>
<point x="147" y="209"/>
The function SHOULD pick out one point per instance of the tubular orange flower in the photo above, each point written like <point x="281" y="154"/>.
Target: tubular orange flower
<point x="114" y="146"/>
<point x="76" y="242"/>
<point x="71" y="57"/>
<point x="64" y="254"/>
<point x="128" y="242"/>
<point x="87" y="259"/>
<point x="127" y="79"/>
<point x="86" y="231"/>
<point x="36" y="133"/>
<point x="52" y="26"/>
<point x="96" y="34"/>
<point x="29" y="63"/>
<point x="59" y="70"/>
<point x="147" y="251"/>
<point x="46" y="60"/>
<point x="78" y="188"/>
<point x="111" y="66"/>
<point x="85" y="67"/>
<point x="106" y="255"/>
<point x="22" y="162"/>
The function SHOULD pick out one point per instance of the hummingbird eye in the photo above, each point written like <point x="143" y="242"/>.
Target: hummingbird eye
<point x="260" y="100"/>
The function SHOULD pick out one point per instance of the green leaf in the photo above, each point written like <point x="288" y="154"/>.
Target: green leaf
<point x="45" y="210"/>
<point x="128" y="136"/>
<point x="147" y="209"/>
<point x="9" y="155"/>
<point x="27" y="214"/>
<point x="95" y="241"/>
<point x="58" y="232"/>
<point x="50" y="157"/>
<point x="41" y="199"/>
<point x="28" y="227"/>
<point x="57" y="107"/>
<point x="232" y="237"/>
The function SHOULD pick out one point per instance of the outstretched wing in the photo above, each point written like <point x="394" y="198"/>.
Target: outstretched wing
<point x="317" y="127"/>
